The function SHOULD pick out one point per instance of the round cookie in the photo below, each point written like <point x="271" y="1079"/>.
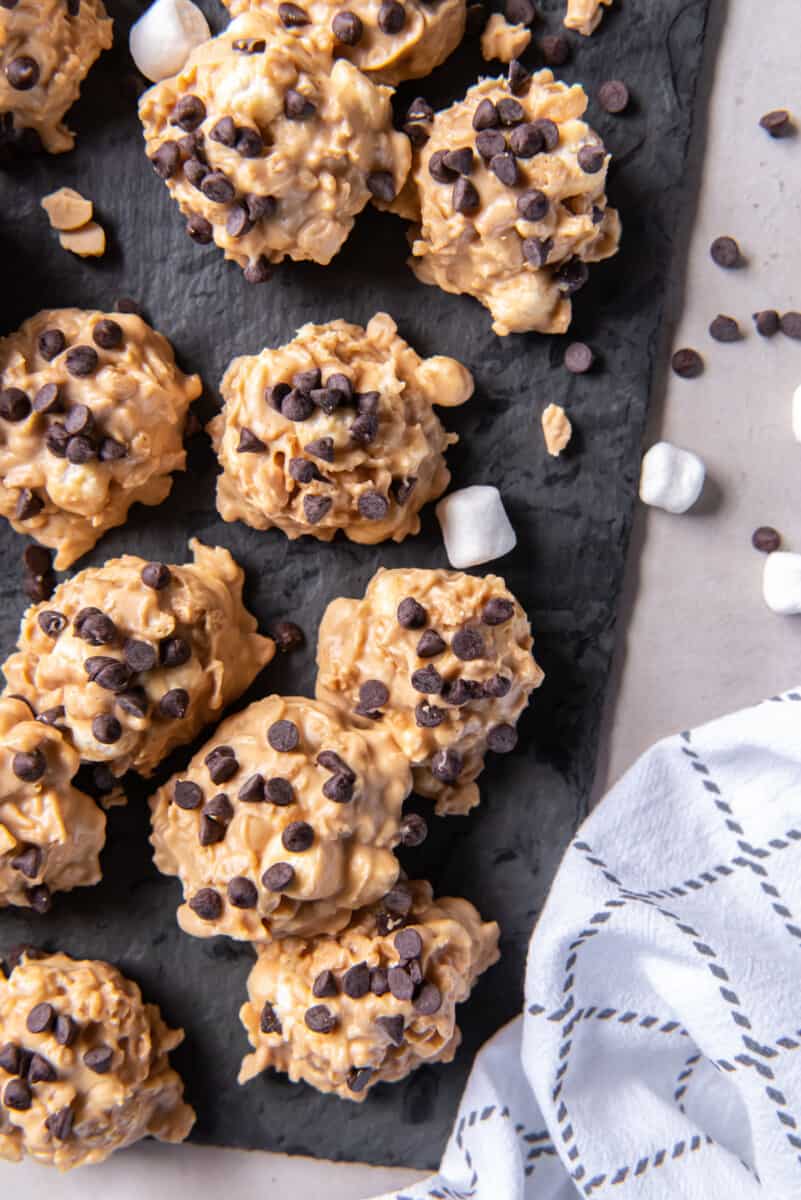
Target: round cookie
<point x="388" y="40"/>
<point x="50" y="833"/>
<point x="336" y="430"/>
<point x="585" y="15"/>
<point x="271" y="149"/>
<point x="92" y="414"/>
<point x="283" y="823"/>
<point x="507" y="195"/>
<point x="443" y="660"/>
<point x="372" y="1003"/>
<point x="83" y="1064"/>
<point x="132" y="659"/>
<point x="46" y="50"/>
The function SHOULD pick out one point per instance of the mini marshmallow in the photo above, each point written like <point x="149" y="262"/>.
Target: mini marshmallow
<point x="671" y="478"/>
<point x="797" y="414"/>
<point x="781" y="583"/>
<point x="475" y="526"/>
<point x="162" y="39"/>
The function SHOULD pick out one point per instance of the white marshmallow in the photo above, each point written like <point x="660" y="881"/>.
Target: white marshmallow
<point x="475" y="526"/>
<point x="797" y="414"/>
<point x="162" y="39"/>
<point x="781" y="582"/>
<point x="671" y="478"/>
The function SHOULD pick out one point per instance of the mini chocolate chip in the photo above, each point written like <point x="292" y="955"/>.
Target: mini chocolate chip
<point x="767" y="323"/>
<point x="408" y="944"/>
<point x="297" y="837"/>
<point x="269" y="1021"/>
<point x="99" y="1059"/>
<point x="40" y="1070"/>
<point x="107" y="334"/>
<point x="220" y="809"/>
<point x="572" y="276"/>
<point x="206" y="904"/>
<point x="283" y="736"/>
<point x="108" y="673"/>
<point x="81" y="449"/>
<point x="252" y="790"/>
<point x="348" y="28"/>
<point x="106" y="729"/>
<point x="468" y="644"/>
<point x="23" y="73"/>
<point x="725" y="329"/>
<point x="613" y="96"/>
<point x="429" y="716"/>
<point x="411" y="614"/>
<point x="357" y="1078"/>
<point x="428" y="1000"/>
<point x="249" y="143"/>
<point x="315" y="508"/>
<point x="536" y="251"/>
<point x="510" y="112"/>
<point x="446" y="766"/>
<point x="279" y="791"/>
<point x="189" y="113"/>
<point x="419" y="110"/>
<point x="339" y="788"/>
<point x="249" y="443"/>
<point x="29" y="765"/>
<point x="292" y="16"/>
<point x="40" y="899"/>
<point x="466" y="199"/>
<point x="364" y="429"/>
<point x="10" y="1059"/>
<point x="174" y="703"/>
<point x="356" y="981"/>
<point x="14" y="405"/>
<point x="392" y="1027"/>
<point x="373" y="506"/>
<point x="238" y="223"/>
<point x="459" y="161"/>
<point x="187" y="795"/>
<point x="303" y="471"/>
<point x="47" y="400"/>
<point x="278" y="877"/>
<point x="40" y="1019"/>
<point x="555" y="50"/>
<point x="134" y="702"/>
<point x="504" y="168"/>
<point x="320" y="1019"/>
<point x="28" y="504"/>
<point x="766" y="538"/>
<point x="259" y="208"/>
<point x="60" y="1123"/>
<point x="400" y="983"/>
<point x="413" y="830"/>
<point x="222" y="764"/>
<point x="82" y="361"/>
<point x="687" y="363"/>
<point x="502" y="739"/>
<point x="174" y="651"/>
<point x="591" y="159"/>
<point x="427" y="680"/>
<point x="17" y="1095"/>
<point x="297" y="406"/>
<point x="242" y="892"/>
<point x="777" y="123"/>
<point x="218" y="188"/>
<point x="381" y="185"/>
<point x="579" y="358"/>
<point x="51" y="343"/>
<point x="51" y="623"/>
<point x="391" y="17"/>
<point x="140" y="656"/>
<point x="210" y="832"/>
<point x="322" y="448"/>
<point x="224" y="132"/>
<point x="331" y="761"/>
<point x="791" y="325"/>
<point x="199" y="229"/>
<point x="325" y="985"/>
<point x="485" y="116"/>
<point x="437" y="169"/>
<point x="28" y="862"/>
<point x="497" y="686"/>
<point x="297" y="107"/>
<point x="287" y="635"/>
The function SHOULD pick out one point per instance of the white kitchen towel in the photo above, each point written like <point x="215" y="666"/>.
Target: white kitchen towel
<point x="659" y="1052"/>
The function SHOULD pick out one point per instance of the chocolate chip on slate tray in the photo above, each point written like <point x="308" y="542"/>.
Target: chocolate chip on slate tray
<point x="466" y="199"/>
<point x="413" y="830"/>
<point x="485" y="116"/>
<point x="356" y="981"/>
<point x="278" y="877"/>
<point x="174" y="704"/>
<point x="269" y="1021"/>
<point x="37" y="560"/>
<point x="252" y="790"/>
<point x="206" y="904"/>
<point x="258" y="270"/>
<point x="242" y="892"/>
<point x="325" y="985"/>
<point x="400" y="983"/>
<point x="446" y="766"/>
<point x="591" y="159"/>
<point x="297" y="837"/>
<point x="287" y="635"/>
<point x="411" y="614"/>
<point x="279" y="791"/>
<point x="767" y="322"/>
<point x="29" y="765"/>
<point x="187" y="795"/>
<point x="613" y="96"/>
<point x="778" y="123"/>
<point x="555" y="50"/>
<point x="791" y="325"/>
<point x="725" y="252"/>
<point x="392" y="1027"/>
<point x="725" y="329"/>
<point x="391" y="17"/>
<point x="320" y="1019"/>
<point x="579" y="358"/>
<point x="373" y="506"/>
<point x="51" y="343"/>
<point x="40" y="1019"/>
<point x="687" y="363"/>
<point x="766" y="539"/>
<point x="348" y="28"/>
<point x="428" y="1000"/>
<point x="283" y="736"/>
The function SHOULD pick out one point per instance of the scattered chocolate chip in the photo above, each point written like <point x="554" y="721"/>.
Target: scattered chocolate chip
<point x="413" y="830"/>
<point x="555" y="50"/>
<point x="356" y="981"/>
<point x="339" y="788"/>
<point x="51" y="343"/>
<point x="297" y="107"/>
<point x="107" y="334"/>
<point x="66" y="1030"/>
<point x="485" y="116"/>
<point x="297" y="837"/>
<point x="94" y="627"/>
<point x="373" y="506"/>
<point x="687" y="363"/>
<point x="446" y="766"/>
<point x="392" y="1027"/>
<point x="315" y="508"/>
<point x="348" y="28"/>
<point x="269" y="1021"/>
<point x="468" y="644"/>
<point x="297" y="406"/>
<point x="283" y="736"/>
<point x="325" y="985"/>
<point x="725" y="329"/>
<point x="462" y="691"/>
<point x="591" y="159"/>
<point x="725" y="252"/>
<point x="14" y="405"/>
<point x="199" y="229"/>
<point x="279" y="791"/>
<point x="502" y="739"/>
<point x="579" y="358"/>
<point x="400" y="983"/>
<point x="23" y="73"/>
<point x="572" y="276"/>
<point x="381" y="185"/>
<point x="222" y="764"/>
<point x="40" y="1019"/>
<point x="210" y="832"/>
<point x="206" y="904"/>
<point x="81" y="449"/>
<point x="81" y="361"/>
<point x="408" y="944"/>
<point x="320" y="1019"/>
<point x="99" y="1059"/>
<point x="29" y="765"/>
<point x="536" y="251"/>
<point x="242" y="892"/>
<point x="466" y="199"/>
<point x="430" y="644"/>
<point x="504" y="168"/>
<point x="108" y="673"/>
<point x="134" y="702"/>
<point x="777" y="123"/>
<point x="428" y="1000"/>
<point x="357" y="1078"/>
<point x="106" y="729"/>
<point x="497" y="611"/>
<point x="252" y="790"/>
<point x="411" y="614"/>
<point x="613" y="96"/>
<point x="429" y="716"/>
<point x="767" y="539"/>
<point x="174" y="703"/>
<point x="790" y="325"/>
<point x="379" y="984"/>
<point x="189" y="113"/>
<point x="303" y="471"/>
<point x="40" y="1070"/>
<point x="364" y="429"/>
<point x="60" y="1123"/>
<point x="139" y="656"/>
<point x="249" y="144"/>
<point x="187" y="795"/>
<point x="260" y="208"/>
<point x="767" y="322"/>
<point x="17" y="1095"/>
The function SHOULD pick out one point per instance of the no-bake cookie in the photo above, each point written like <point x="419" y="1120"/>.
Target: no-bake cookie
<point x="50" y="833"/>
<point x="133" y="658"/>
<point x="92" y="413"/>
<point x="372" y="1003"/>
<point x="336" y="430"/>
<point x="439" y="659"/>
<point x="270" y="147"/>
<point x="389" y="40"/>
<point x="46" y="50"/>
<point x="508" y="198"/>
<point x="585" y="15"/>
<point x="83" y="1064"/>
<point x="283" y="823"/>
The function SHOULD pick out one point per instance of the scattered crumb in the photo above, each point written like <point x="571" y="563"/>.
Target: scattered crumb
<point x="556" y="429"/>
<point x="503" y="41"/>
<point x="67" y="210"/>
<point x="88" y="242"/>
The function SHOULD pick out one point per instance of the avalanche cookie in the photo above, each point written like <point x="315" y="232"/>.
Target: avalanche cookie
<point x="585" y="15"/>
<point x="336" y="430"/>
<point x="388" y="40"/>
<point x="133" y="658"/>
<point x="508" y="198"/>
<point x="46" y="50"/>
<point x="271" y="149"/>
<point x="83" y="1064"/>
<point x="92" y="413"/>
<point x="439" y="659"/>
<point x="372" y="1003"/>
<point x="50" y="833"/>
<point x="283" y="823"/>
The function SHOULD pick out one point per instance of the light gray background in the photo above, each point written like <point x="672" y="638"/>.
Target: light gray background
<point x="695" y="638"/>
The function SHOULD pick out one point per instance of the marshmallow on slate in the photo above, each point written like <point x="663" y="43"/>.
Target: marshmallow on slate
<point x="797" y="414"/>
<point x="163" y="37"/>
<point x="475" y="526"/>
<point x="781" y="582"/>
<point x="671" y="478"/>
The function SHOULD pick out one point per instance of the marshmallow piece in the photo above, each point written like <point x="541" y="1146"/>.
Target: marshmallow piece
<point x="164" y="36"/>
<point x="671" y="478"/>
<point x="797" y="414"/>
<point x="475" y="526"/>
<point x="781" y="583"/>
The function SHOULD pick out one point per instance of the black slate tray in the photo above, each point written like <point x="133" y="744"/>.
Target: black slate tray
<point x="572" y="518"/>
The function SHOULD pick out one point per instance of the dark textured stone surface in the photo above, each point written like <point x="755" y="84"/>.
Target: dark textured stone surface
<point x="572" y="516"/>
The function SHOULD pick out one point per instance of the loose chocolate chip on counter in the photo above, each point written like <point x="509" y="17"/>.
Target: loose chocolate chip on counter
<point x="519" y="78"/>
<point x="767" y="322"/>
<point x="381" y="185"/>
<point x="106" y="729"/>
<point x="17" y="1095"/>
<point x="325" y="985"/>
<point x="429" y="716"/>
<point x="687" y="363"/>
<point x="555" y="50"/>
<point x="400" y="983"/>
<point x="40" y="1070"/>
<point x="348" y="28"/>
<point x="504" y="168"/>
<point x="279" y="791"/>
<point x="790" y="325"/>
<point x="413" y="830"/>
<point x="408" y="944"/>
<point x="82" y="361"/>
<point x="357" y="1078"/>
<point x="14" y="405"/>
<point x="222" y="764"/>
<point x="536" y="251"/>
<point x="10" y="1059"/>
<point x="287" y="636"/>
<point x="510" y="112"/>
<point x="725" y="252"/>
<point x="199" y="229"/>
<point x="459" y="161"/>
<point x="47" y="400"/>
<point x="591" y="159"/>
<point x="60" y="1123"/>
<point x="356" y="981"/>
<point x="23" y="73"/>
<point x="392" y="1027"/>
<point x="283" y="736"/>
<point x="466" y="199"/>
<point x="446" y="766"/>
<point x="777" y="123"/>
<point x="427" y="680"/>
<point x="391" y="17"/>
<point x="485" y="116"/>
<point x="373" y="506"/>
<point x="613" y="96"/>
<point x="766" y="538"/>
<point x="252" y="790"/>
<point x="579" y="358"/>
<point x="134" y="702"/>
<point x="379" y="984"/>
<point x="139" y="656"/>
<point x="99" y="1059"/>
<point x="242" y="892"/>
<point x="320" y="1019"/>
<point x="40" y="899"/>
<point x="437" y="169"/>
<point x="490" y="142"/>
<point x="174" y="703"/>
<point x="430" y="644"/>
<point x="297" y="837"/>
<point x="29" y="765"/>
<point x="40" y="1019"/>
<point x="411" y="614"/>
<point x="28" y="862"/>
<point x="156" y="575"/>
<point x="189" y="113"/>
<point x="297" y="107"/>
<point x="107" y="334"/>
<point x="237" y="224"/>
<point x="278" y="877"/>
<point x="428" y="1000"/>
<point x="725" y="329"/>
<point x="502" y="739"/>
<point x="187" y="795"/>
<point x="206" y="904"/>
<point x="468" y="644"/>
<point x="269" y="1021"/>
<point x="572" y="276"/>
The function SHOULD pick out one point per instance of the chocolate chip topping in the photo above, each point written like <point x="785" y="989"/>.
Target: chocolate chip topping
<point x="468" y="644"/>
<point x="237" y="224"/>
<point x="47" y="399"/>
<point x="139" y="656"/>
<point x="339" y="788"/>
<point x="572" y="276"/>
<point x="519" y="78"/>
<point x="134" y="701"/>
<point x="39" y="898"/>
<point x="437" y="169"/>
<point x="391" y="17"/>
<point x="199" y="229"/>
<point x="99" y="1059"/>
<point x="427" y="680"/>
<point x="292" y="16"/>
<point x="348" y="28"/>
<point x="222" y="764"/>
<point x="419" y="110"/>
<point x="249" y="143"/>
<point x="297" y="107"/>
<point x="320" y="1019"/>
<point x="460" y="161"/>
<point x="325" y="985"/>
<point x="510" y="112"/>
<point x="40" y="1019"/>
<point x="373" y="694"/>
<point x="504" y="168"/>
<point x="23" y="73"/>
<point x="278" y="877"/>
<point x="411" y="614"/>
<point x="497" y="686"/>
<point x="269" y="1021"/>
<point x="174" y="651"/>
<point x="82" y="361"/>
<point x="381" y="185"/>
<point x="28" y="862"/>
<point x="283" y="736"/>
<point x="29" y="765"/>
<point x="60" y="1124"/>
<point x="51" y="343"/>
<point x="402" y="489"/>
<point x="446" y="766"/>
<point x="392" y="1027"/>
<point x="279" y="791"/>
<point x="356" y="981"/>
<point x="297" y="405"/>
<point x="187" y="795"/>
<point x="502" y="739"/>
<point x="490" y="142"/>
<point x="10" y="1059"/>
<point x="17" y="1095"/>
<point x="107" y="334"/>
<point x="536" y="251"/>
<point x="252" y="790"/>
<point x="725" y="329"/>
<point x="428" y="1000"/>
<point x="413" y="830"/>
<point x="591" y="159"/>
<point x="51" y="623"/>
<point x="373" y="506"/>
<point x="14" y="405"/>
<point x="687" y="363"/>
<point x="66" y="1030"/>
<point x="461" y="691"/>
<point x="28" y="505"/>
<point x="242" y="892"/>
<point x="485" y="116"/>
<point x="430" y="644"/>
<point x="297" y="837"/>
<point x="579" y="358"/>
<point x="429" y="716"/>
<point x="174" y="703"/>
<point x="613" y="96"/>
<point x="106" y="729"/>
<point x="40" y="1070"/>
<point x="206" y="904"/>
<point x="466" y="199"/>
<point x="379" y="985"/>
<point x="408" y="944"/>
<point x="400" y="983"/>
<point x="189" y="113"/>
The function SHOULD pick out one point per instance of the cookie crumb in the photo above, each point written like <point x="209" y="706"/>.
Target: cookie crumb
<point x="503" y="40"/>
<point x="556" y="429"/>
<point x="88" y="242"/>
<point x="67" y="209"/>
